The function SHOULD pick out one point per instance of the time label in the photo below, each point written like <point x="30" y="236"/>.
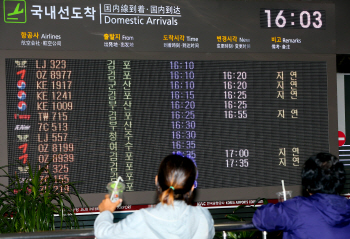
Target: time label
<point x="289" y="18"/>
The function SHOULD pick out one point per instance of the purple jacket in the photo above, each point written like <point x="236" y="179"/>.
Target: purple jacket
<point x="320" y="216"/>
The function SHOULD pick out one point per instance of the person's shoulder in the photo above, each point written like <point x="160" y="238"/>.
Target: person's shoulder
<point x="148" y="210"/>
<point x="200" y="210"/>
<point x="198" y="207"/>
<point x="290" y="204"/>
<point x="294" y="201"/>
<point x="300" y="203"/>
<point x="140" y="214"/>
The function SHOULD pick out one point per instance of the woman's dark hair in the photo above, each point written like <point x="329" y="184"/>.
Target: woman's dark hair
<point x="323" y="173"/>
<point x="176" y="176"/>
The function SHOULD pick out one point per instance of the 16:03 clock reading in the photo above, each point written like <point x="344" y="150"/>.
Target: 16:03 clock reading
<point x="288" y="18"/>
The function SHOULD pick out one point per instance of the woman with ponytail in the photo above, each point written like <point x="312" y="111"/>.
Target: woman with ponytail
<point x="172" y="217"/>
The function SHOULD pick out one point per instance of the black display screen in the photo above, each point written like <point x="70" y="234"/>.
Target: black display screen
<point x="109" y="88"/>
<point x="240" y="120"/>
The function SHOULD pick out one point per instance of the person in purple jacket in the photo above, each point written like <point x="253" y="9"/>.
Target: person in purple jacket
<point x="322" y="214"/>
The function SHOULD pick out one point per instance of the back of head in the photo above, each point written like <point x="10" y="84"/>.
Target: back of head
<point x="176" y="177"/>
<point x="323" y="173"/>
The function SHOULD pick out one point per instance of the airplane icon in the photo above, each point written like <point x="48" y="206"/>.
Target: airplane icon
<point x="15" y="11"/>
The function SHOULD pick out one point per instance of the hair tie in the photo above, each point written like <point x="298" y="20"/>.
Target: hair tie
<point x="172" y="187"/>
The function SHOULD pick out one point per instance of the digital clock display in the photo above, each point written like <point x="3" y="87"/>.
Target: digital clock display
<point x="288" y="18"/>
